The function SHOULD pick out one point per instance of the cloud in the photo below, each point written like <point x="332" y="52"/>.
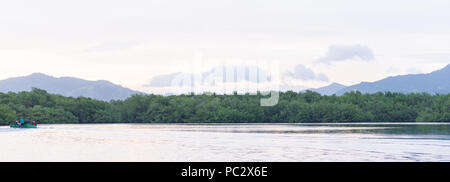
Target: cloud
<point x="344" y="52"/>
<point x="392" y="70"/>
<point x="220" y="74"/>
<point x="111" y="46"/>
<point x="303" y="73"/>
<point x="165" y="80"/>
<point x="239" y="73"/>
<point x="414" y="71"/>
<point x="410" y="70"/>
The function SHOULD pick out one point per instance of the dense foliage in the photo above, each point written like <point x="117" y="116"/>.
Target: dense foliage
<point x="292" y="107"/>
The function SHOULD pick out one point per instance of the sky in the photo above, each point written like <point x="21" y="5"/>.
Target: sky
<point x="140" y="44"/>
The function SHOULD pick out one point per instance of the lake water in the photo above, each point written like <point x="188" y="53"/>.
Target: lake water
<point x="227" y="142"/>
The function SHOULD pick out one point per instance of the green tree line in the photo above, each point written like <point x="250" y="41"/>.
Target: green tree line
<point x="206" y="108"/>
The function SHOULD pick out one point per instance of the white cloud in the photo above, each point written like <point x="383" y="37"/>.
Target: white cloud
<point x="53" y="37"/>
<point x="346" y="52"/>
<point x="303" y="73"/>
<point x="165" y="80"/>
<point x="414" y="71"/>
<point x="220" y="74"/>
<point x="393" y="70"/>
<point x="111" y="46"/>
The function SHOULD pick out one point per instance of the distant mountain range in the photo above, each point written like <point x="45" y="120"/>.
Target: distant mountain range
<point x="328" y="90"/>
<point x="67" y="86"/>
<point x="436" y="82"/>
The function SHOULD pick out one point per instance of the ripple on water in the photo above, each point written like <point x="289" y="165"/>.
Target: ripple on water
<point x="226" y="142"/>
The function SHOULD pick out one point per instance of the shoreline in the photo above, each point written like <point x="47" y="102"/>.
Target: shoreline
<point x="262" y="123"/>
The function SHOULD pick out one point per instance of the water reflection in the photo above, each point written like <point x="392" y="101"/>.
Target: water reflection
<point x="360" y="128"/>
<point x="228" y="142"/>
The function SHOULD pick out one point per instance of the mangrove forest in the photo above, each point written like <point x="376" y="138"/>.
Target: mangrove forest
<point x="292" y="107"/>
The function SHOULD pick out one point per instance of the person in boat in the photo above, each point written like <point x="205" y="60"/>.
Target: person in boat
<point x="22" y="121"/>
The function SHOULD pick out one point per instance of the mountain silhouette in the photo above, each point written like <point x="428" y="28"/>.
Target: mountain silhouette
<point x="329" y="89"/>
<point x="436" y="82"/>
<point x="67" y="86"/>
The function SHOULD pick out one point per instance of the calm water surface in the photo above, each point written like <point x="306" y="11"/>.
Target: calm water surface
<point x="228" y="142"/>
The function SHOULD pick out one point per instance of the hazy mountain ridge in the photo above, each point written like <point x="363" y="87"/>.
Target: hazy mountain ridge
<point x="436" y="82"/>
<point x="67" y="86"/>
<point x="329" y="89"/>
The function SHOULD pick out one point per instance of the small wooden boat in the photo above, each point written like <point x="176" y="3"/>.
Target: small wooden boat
<point x="25" y="125"/>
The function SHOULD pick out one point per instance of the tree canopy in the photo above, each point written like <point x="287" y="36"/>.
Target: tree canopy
<point x="206" y="108"/>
